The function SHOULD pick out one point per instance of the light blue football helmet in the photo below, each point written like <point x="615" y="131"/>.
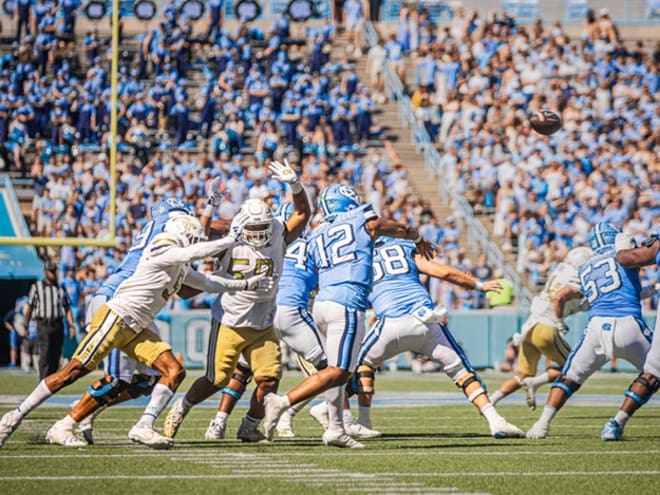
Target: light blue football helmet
<point x="337" y="198"/>
<point x="602" y="237"/>
<point x="167" y="205"/>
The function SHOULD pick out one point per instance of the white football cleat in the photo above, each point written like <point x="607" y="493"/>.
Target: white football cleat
<point x="284" y="427"/>
<point x="339" y="438"/>
<point x="538" y="431"/>
<point x="174" y="418"/>
<point x="215" y="431"/>
<point x="320" y="413"/>
<point x="275" y="406"/>
<point x="356" y="430"/>
<point x="62" y="434"/>
<point x="8" y="425"/>
<point x="530" y="394"/>
<point x="249" y="434"/>
<point x="501" y="428"/>
<point x="149" y="436"/>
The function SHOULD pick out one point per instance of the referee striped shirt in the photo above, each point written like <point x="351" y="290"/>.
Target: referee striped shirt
<point x="48" y="302"/>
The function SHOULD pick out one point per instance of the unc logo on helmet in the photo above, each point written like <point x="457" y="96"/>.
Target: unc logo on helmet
<point x="602" y="237"/>
<point x="259" y="228"/>
<point x="337" y="198"/>
<point x="168" y="205"/>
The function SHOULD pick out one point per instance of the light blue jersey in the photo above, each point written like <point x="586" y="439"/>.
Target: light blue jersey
<point x="342" y="251"/>
<point x="610" y="289"/>
<point x="299" y="277"/>
<point x="397" y="291"/>
<point x="130" y="262"/>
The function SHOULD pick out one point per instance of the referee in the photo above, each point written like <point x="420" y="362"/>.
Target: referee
<point x="48" y="304"/>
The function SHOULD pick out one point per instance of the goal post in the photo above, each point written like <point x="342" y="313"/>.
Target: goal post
<point x="83" y="241"/>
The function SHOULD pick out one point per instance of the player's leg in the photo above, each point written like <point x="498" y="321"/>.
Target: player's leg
<point x="582" y="362"/>
<point x="225" y="347"/>
<point x="528" y="359"/>
<point x="378" y="346"/>
<point x="231" y="394"/>
<point x="285" y="424"/>
<point x="263" y="355"/>
<point x="551" y="344"/>
<point x="440" y="344"/>
<point x="297" y="329"/>
<point x="105" y="332"/>
<point x="633" y="341"/>
<point x="343" y="329"/>
<point x="148" y="349"/>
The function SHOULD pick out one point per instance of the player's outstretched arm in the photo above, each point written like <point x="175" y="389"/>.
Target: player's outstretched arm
<point x="180" y="255"/>
<point x="213" y="199"/>
<point x="636" y="257"/>
<point x="563" y="296"/>
<point x="215" y="283"/>
<point x="454" y="276"/>
<point x="381" y="226"/>
<point x="298" y="220"/>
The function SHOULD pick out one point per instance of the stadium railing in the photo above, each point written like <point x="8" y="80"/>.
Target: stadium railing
<point x="478" y="237"/>
<point x="622" y="12"/>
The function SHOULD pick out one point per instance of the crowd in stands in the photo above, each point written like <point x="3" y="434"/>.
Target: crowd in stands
<point x="473" y="84"/>
<point x="191" y="107"/>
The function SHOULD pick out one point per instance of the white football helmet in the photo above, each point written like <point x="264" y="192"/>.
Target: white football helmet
<point x="578" y="256"/>
<point x="187" y="229"/>
<point x="258" y="230"/>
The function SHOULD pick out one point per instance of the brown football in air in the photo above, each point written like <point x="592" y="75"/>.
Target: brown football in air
<point x="545" y="122"/>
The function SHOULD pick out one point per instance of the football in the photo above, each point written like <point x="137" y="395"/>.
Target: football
<point x="545" y="122"/>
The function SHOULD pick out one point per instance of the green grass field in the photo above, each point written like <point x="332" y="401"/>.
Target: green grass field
<point x="424" y="449"/>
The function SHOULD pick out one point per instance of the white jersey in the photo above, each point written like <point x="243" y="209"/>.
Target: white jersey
<point x="253" y="309"/>
<point x="542" y="309"/>
<point x="163" y="268"/>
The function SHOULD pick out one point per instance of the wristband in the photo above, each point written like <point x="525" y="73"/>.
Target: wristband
<point x="296" y="187"/>
<point x="479" y="285"/>
<point x="418" y="239"/>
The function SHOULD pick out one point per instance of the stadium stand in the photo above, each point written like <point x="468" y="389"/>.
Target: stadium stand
<point x="190" y="109"/>
<point x="472" y="84"/>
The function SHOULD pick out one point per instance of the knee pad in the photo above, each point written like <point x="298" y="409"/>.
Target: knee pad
<point x="365" y="371"/>
<point x="106" y="388"/>
<point x="468" y="379"/>
<point x="567" y="385"/>
<point x="142" y="385"/>
<point x="245" y="370"/>
<point x="650" y="386"/>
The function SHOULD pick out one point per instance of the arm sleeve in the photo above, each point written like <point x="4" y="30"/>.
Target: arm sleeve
<point x="212" y="283"/>
<point x="64" y="299"/>
<point x="174" y="254"/>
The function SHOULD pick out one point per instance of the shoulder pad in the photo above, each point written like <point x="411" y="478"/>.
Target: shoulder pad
<point x="163" y="239"/>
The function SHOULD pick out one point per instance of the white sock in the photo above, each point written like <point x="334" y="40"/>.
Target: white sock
<point x="187" y="406"/>
<point x="38" y="395"/>
<point x="622" y="418"/>
<point x="547" y="415"/>
<point x="334" y="398"/>
<point x="537" y="381"/>
<point x="296" y="408"/>
<point x="221" y="417"/>
<point x="490" y="413"/>
<point x="496" y="396"/>
<point x="364" y="415"/>
<point x="253" y="423"/>
<point x="159" y="399"/>
<point x="348" y="417"/>
<point x="69" y="421"/>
